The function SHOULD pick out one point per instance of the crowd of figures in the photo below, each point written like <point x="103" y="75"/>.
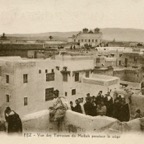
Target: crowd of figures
<point x="116" y="107"/>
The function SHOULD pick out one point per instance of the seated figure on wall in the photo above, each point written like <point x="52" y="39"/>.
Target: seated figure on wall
<point x="58" y="111"/>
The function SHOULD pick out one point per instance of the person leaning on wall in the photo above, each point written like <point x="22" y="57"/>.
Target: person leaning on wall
<point x="13" y="120"/>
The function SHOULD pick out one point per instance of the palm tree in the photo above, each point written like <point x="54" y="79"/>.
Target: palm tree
<point x="50" y="37"/>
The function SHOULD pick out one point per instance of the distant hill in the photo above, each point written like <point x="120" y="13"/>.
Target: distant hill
<point x="119" y="34"/>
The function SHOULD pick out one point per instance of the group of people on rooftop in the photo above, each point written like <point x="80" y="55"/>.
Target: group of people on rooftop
<point x="104" y="104"/>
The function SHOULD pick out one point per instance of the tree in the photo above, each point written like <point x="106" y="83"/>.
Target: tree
<point x="85" y="30"/>
<point x="50" y="37"/>
<point x="3" y="36"/>
<point x="139" y="44"/>
<point x="96" y="30"/>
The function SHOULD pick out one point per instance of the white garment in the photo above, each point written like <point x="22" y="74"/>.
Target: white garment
<point x="82" y="107"/>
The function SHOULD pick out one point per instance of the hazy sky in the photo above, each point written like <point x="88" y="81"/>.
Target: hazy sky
<point x="34" y="16"/>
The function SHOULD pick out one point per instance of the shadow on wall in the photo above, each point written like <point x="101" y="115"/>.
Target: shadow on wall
<point x="75" y="122"/>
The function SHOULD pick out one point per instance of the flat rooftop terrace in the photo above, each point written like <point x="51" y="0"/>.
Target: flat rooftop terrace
<point x="102" y="80"/>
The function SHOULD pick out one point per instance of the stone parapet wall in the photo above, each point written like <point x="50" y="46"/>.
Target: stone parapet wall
<point x="75" y="122"/>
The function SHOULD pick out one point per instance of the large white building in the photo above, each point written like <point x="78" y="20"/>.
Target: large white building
<point x="91" y="38"/>
<point x="27" y="85"/>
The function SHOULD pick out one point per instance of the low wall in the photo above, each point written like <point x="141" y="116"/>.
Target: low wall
<point x="38" y="121"/>
<point x="75" y="122"/>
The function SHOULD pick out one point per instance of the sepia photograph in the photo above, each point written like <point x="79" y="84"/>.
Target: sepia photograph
<point x="72" y="70"/>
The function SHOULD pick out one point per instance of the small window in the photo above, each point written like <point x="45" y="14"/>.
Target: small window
<point x="65" y="77"/>
<point x="25" y="101"/>
<point x="96" y="40"/>
<point x="49" y="94"/>
<point x="25" y="78"/>
<point x="46" y="71"/>
<point x="81" y="40"/>
<point x="39" y="71"/>
<point x="7" y="98"/>
<point x="7" y="78"/>
<point x="65" y="93"/>
<point x="89" y="40"/>
<point x="50" y="77"/>
<point x="52" y="70"/>
<point x="73" y="91"/>
<point x="76" y="76"/>
<point x="120" y="62"/>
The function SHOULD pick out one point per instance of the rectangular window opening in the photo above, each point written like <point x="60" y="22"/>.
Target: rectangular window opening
<point x="49" y="94"/>
<point x="76" y="76"/>
<point x="7" y="78"/>
<point x="25" y="101"/>
<point x="73" y="91"/>
<point x="7" y="98"/>
<point x="25" y="78"/>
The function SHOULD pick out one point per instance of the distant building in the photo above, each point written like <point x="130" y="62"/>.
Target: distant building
<point x="22" y="50"/>
<point x="29" y="50"/>
<point x="90" y="38"/>
<point x="130" y="59"/>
